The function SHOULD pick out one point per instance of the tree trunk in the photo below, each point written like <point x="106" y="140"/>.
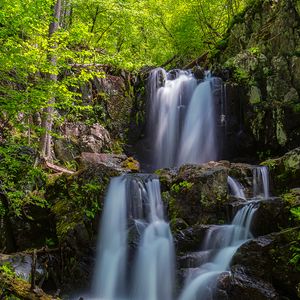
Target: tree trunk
<point x="47" y="119"/>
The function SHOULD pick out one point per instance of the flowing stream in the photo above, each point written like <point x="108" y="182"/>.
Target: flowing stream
<point x="222" y="242"/>
<point x="236" y="188"/>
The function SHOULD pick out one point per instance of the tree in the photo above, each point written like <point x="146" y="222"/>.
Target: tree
<point x="47" y="118"/>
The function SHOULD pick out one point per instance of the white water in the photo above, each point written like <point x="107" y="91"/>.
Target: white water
<point x="154" y="258"/>
<point x="224" y="240"/>
<point x="110" y="272"/>
<point x="182" y="122"/>
<point x="261" y="187"/>
<point x="198" y="139"/>
<point x="236" y="188"/>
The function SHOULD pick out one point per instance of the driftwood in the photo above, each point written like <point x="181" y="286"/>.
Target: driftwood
<point x="57" y="168"/>
<point x="197" y="61"/>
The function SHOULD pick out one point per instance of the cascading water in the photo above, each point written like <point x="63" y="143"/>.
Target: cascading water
<point x="236" y="188"/>
<point x="135" y="257"/>
<point x="261" y="184"/>
<point x="221" y="243"/>
<point x="133" y="204"/>
<point x="181" y="121"/>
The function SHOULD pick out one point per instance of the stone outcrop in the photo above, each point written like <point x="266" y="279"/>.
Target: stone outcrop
<point x="285" y="170"/>
<point x="261" y="52"/>
<point x="79" y="137"/>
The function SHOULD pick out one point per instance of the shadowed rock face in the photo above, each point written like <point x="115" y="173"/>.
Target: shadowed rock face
<point x="267" y="258"/>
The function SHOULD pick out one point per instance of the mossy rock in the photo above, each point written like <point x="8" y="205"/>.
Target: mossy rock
<point x="78" y="199"/>
<point x="285" y="171"/>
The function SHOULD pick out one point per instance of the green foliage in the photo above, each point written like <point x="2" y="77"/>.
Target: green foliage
<point x="295" y="260"/>
<point x="7" y="269"/>
<point x="21" y="182"/>
<point x="296" y="213"/>
<point x="181" y="186"/>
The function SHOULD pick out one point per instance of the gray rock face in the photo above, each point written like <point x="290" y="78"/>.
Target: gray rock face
<point x="78" y="138"/>
<point x="262" y="53"/>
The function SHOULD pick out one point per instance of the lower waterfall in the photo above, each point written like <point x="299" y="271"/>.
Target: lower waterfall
<point x="133" y="231"/>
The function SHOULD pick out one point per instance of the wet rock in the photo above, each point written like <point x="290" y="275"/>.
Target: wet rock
<point x="198" y="72"/>
<point x="76" y="202"/>
<point x="191" y="239"/>
<point x="267" y="258"/>
<point x="198" y="194"/>
<point x="241" y="286"/>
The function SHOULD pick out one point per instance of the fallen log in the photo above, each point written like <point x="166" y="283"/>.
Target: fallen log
<point x="12" y="285"/>
<point x="197" y="61"/>
<point x="58" y="168"/>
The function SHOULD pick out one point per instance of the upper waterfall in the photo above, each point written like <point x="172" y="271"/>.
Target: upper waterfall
<point x="181" y="125"/>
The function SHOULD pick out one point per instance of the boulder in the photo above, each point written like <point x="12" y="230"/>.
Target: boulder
<point x="285" y="170"/>
<point x="78" y="138"/>
<point x="238" y="285"/>
<point x="268" y="258"/>
<point x="198" y="194"/>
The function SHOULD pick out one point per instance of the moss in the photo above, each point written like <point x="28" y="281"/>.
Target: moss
<point x="182" y="186"/>
<point x="77" y="199"/>
<point x="255" y="95"/>
<point x="13" y="287"/>
<point x="131" y="164"/>
<point x="270" y="163"/>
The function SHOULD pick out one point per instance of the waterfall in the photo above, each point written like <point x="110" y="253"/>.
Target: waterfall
<point x="181" y="121"/>
<point x="222" y="242"/>
<point x="133" y="215"/>
<point x="261" y="182"/>
<point x="236" y="188"/>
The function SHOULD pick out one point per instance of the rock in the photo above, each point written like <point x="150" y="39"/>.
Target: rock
<point x="117" y="161"/>
<point x="285" y="170"/>
<point x="115" y="93"/>
<point x="267" y="258"/>
<point x="191" y="239"/>
<point x="88" y="159"/>
<point x="78" y="138"/>
<point x="198" y="72"/>
<point x="76" y="202"/>
<point x="131" y="164"/>
<point x="271" y="216"/>
<point x="261" y="50"/>
<point x="198" y="194"/>
<point x="241" y="286"/>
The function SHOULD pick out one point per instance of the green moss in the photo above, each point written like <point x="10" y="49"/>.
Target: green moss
<point x="270" y="163"/>
<point x="291" y="198"/>
<point x="292" y="163"/>
<point x="77" y="198"/>
<point x="181" y="186"/>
